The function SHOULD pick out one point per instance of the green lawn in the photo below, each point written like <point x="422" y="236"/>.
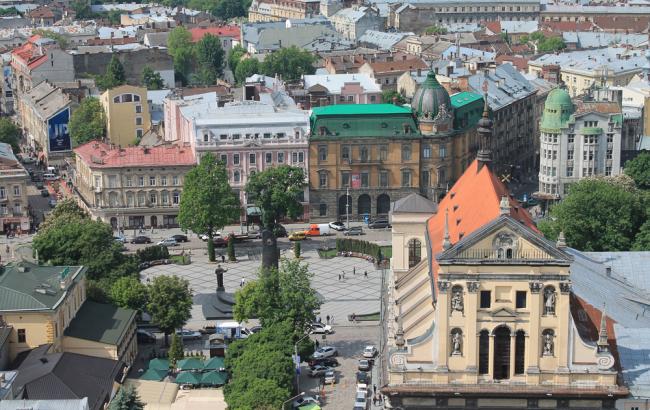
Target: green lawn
<point x="180" y="259"/>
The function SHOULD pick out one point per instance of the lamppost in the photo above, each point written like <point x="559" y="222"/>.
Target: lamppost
<point x="347" y="207"/>
<point x="297" y="360"/>
<point x="294" y="397"/>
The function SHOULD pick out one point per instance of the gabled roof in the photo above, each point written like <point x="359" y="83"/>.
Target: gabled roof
<point x="413" y="203"/>
<point x="547" y="253"/>
<point x="100" y="322"/>
<point x="30" y="53"/>
<point x="101" y="155"/>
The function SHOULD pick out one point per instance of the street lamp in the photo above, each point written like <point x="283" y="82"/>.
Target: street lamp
<point x="296" y="358"/>
<point x="294" y="397"/>
<point x="347" y="207"/>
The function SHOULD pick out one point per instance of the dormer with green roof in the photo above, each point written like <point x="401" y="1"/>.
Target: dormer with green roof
<point x="558" y="110"/>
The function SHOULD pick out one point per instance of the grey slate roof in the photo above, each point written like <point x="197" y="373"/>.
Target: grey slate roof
<point x="79" y="404"/>
<point x="588" y="39"/>
<point x="381" y="39"/>
<point x="64" y="376"/>
<point x="308" y="37"/>
<point x="505" y="86"/>
<point x="616" y="59"/>
<point x="100" y="322"/>
<point x="251" y="31"/>
<point x="18" y="290"/>
<point x="7" y="153"/>
<point x="623" y="291"/>
<point x="414" y="203"/>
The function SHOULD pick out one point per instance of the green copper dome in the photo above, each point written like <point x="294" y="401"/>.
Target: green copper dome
<point x="429" y="97"/>
<point x="558" y="109"/>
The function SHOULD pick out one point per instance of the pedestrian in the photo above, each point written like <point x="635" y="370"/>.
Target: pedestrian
<point x="223" y="258"/>
<point x="328" y="319"/>
<point x="374" y="388"/>
<point x="317" y="344"/>
<point x="374" y="400"/>
<point x="241" y="283"/>
<point x="339" y="276"/>
<point x="365" y="273"/>
<point x="332" y="320"/>
<point x="353" y="317"/>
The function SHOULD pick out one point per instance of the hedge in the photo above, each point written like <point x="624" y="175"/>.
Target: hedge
<point x="355" y="245"/>
<point x="152" y="253"/>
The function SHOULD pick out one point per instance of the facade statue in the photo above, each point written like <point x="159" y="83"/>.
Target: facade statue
<point x="456" y="343"/>
<point x="549" y="301"/>
<point x="548" y="345"/>
<point x="457" y="300"/>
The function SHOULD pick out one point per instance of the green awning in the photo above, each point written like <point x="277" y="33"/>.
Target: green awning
<point x="214" y="378"/>
<point x="253" y="211"/>
<point x="159" y="364"/>
<point x="190" y="364"/>
<point x="215" y="363"/>
<point x="310" y="406"/>
<point x="188" y="378"/>
<point x="154" y="375"/>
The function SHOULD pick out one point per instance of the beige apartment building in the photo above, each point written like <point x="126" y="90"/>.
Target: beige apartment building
<point x="14" y="215"/>
<point x="132" y="187"/>
<point x="47" y="305"/>
<point x="127" y="114"/>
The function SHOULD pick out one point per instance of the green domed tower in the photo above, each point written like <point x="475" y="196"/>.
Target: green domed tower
<point x="558" y="109"/>
<point x="432" y="106"/>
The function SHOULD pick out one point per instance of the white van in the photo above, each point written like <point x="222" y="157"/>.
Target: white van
<point x="50" y="177"/>
<point x="233" y="330"/>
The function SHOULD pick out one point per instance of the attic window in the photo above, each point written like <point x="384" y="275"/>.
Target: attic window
<point x="384" y="125"/>
<point x="322" y="131"/>
<point x="453" y="194"/>
<point x="455" y="207"/>
<point x="346" y="125"/>
<point x="458" y="221"/>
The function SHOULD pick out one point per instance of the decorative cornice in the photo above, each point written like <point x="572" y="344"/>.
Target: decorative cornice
<point x="535" y="287"/>
<point x="443" y="285"/>
<point x="472" y="287"/>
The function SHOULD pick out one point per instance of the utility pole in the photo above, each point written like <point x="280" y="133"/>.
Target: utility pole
<point x="347" y="206"/>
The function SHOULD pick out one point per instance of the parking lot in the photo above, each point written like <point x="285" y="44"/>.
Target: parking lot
<point x="349" y="340"/>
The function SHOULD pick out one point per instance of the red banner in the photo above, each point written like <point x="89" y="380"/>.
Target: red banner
<point x="356" y="181"/>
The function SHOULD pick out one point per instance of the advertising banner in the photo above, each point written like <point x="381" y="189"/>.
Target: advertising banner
<point x="57" y="130"/>
<point x="356" y="181"/>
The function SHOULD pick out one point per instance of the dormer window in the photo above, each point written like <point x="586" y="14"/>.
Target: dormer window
<point x="322" y="131"/>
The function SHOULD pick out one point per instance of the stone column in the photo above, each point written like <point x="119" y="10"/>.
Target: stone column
<point x="471" y="326"/>
<point x="562" y="334"/>
<point x="533" y="349"/>
<point x="512" y="354"/>
<point x="491" y="357"/>
<point x="443" y="325"/>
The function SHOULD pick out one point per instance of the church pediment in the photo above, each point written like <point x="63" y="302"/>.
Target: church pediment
<point x="504" y="241"/>
<point x="504" y="313"/>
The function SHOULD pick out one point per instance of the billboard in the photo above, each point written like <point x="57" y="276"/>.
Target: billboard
<point x="356" y="181"/>
<point x="57" y="131"/>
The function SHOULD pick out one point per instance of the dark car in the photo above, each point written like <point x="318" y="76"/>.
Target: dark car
<point x="145" y="337"/>
<point x="141" y="239"/>
<point x="379" y="224"/>
<point x="279" y="231"/>
<point x="328" y="361"/>
<point x="354" y="231"/>
<point x="220" y="242"/>
<point x="179" y="238"/>
<point x="363" y="378"/>
<point x="45" y="193"/>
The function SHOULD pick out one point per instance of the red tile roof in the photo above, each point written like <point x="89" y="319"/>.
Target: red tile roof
<point x="222" y="31"/>
<point x="399" y="65"/>
<point x="101" y="155"/>
<point x="520" y="63"/>
<point x="29" y="53"/>
<point x="472" y="202"/>
<point x="562" y="26"/>
<point x="41" y="12"/>
<point x="494" y="26"/>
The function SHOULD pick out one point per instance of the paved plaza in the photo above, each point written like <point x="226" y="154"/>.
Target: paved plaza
<point x="355" y="293"/>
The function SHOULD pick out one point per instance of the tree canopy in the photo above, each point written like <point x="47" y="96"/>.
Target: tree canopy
<point x="180" y="47"/>
<point x="170" y="302"/>
<point x="210" y="56"/>
<point x="388" y="95"/>
<point x="88" y="121"/>
<point x="126" y="399"/>
<point x="151" y="79"/>
<point x="227" y="9"/>
<point x="61" y="40"/>
<point x="114" y="76"/>
<point x="129" y="292"/>
<point x="246" y="68"/>
<point x="544" y="44"/>
<point x="235" y="57"/>
<point x="435" y="30"/>
<point x="10" y="134"/>
<point x="291" y="63"/>
<point x="277" y="191"/>
<point x="598" y="214"/>
<point x="639" y="170"/>
<point x="208" y="202"/>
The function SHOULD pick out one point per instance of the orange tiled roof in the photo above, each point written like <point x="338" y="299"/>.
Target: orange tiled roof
<point x="400" y="65"/>
<point x="493" y="26"/>
<point x="472" y="202"/>
<point x="101" y="155"/>
<point x="28" y="53"/>
<point x="223" y="31"/>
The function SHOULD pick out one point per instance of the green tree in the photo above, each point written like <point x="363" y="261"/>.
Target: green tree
<point x="597" y="215"/>
<point x="114" y="76"/>
<point x="88" y="121"/>
<point x="551" y="44"/>
<point x="294" y="300"/>
<point x="10" y="134"/>
<point x="246" y="68"/>
<point x="276" y="191"/>
<point x="210" y="54"/>
<point x="151" y="79"/>
<point x="208" y="202"/>
<point x="176" y="350"/>
<point x="524" y="39"/>
<point x="639" y="169"/>
<point x="180" y="47"/>
<point x="126" y="399"/>
<point x="82" y="10"/>
<point x="296" y="249"/>
<point x="231" y="248"/>
<point x="235" y="56"/>
<point x="435" y="30"/>
<point x="388" y="95"/>
<point x="227" y="9"/>
<point x="170" y="301"/>
<point x="114" y="17"/>
<point x="291" y="63"/>
<point x="129" y="292"/>
<point x="642" y="238"/>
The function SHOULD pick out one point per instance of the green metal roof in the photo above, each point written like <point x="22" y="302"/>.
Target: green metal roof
<point x="363" y="121"/>
<point x="558" y="96"/>
<point x="460" y="99"/>
<point x="100" y="322"/>
<point x="360" y="109"/>
<point x="30" y="287"/>
<point x="558" y="109"/>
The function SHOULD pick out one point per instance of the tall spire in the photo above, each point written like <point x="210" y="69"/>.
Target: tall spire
<point x="603" y="345"/>
<point x="484" y="130"/>
<point x="446" y="243"/>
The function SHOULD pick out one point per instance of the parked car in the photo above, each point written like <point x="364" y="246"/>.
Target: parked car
<point x="364" y="365"/>
<point x="337" y="226"/>
<point x="297" y="236"/>
<point x="363" y="378"/>
<point x="354" y="231"/>
<point x="530" y="202"/>
<point x="279" y="231"/>
<point x="330" y="377"/>
<point x="180" y="238"/>
<point x="319" y="328"/>
<point x="369" y="351"/>
<point x="45" y="193"/>
<point x="145" y="337"/>
<point x="204" y="237"/>
<point x="168" y="242"/>
<point x="305" y="400"/>
<point x="189" y="334"/>
<point x="119" y="239"/>
<point x="325" y="351"/>
<point x="362" y="388"/>
<point x="327" y="361"/>
<point x="379" y="224"/>
<point x="144" y="265"/>
<point x="255" y="329"/>
<point x="208" y="330"/>
<point x="220" y="242"/>
<point x="141" y="239"/>
<point x="318" y="370"/>
<point x="52" y="203"/>
<point x="360" y="401"/>
<point x="254" y="234"/>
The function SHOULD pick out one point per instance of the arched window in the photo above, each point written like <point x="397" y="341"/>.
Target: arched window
<point x="484" y="352"/>
<point x="501" y="354"/>
<point x="415" y="252"/>
<point x="520" y="352"/>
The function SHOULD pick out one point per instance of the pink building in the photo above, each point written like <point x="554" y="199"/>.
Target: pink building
<point x="331" y="89"/>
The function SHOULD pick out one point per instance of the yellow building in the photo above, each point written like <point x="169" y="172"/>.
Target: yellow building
<point x="127" y="114"/>
<point x="47" y="305"/>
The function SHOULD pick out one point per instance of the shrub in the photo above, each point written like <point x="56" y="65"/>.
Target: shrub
<point x="152" y="253"/>
<point x="357" y="246"/>
<point x="296" y="250"/>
